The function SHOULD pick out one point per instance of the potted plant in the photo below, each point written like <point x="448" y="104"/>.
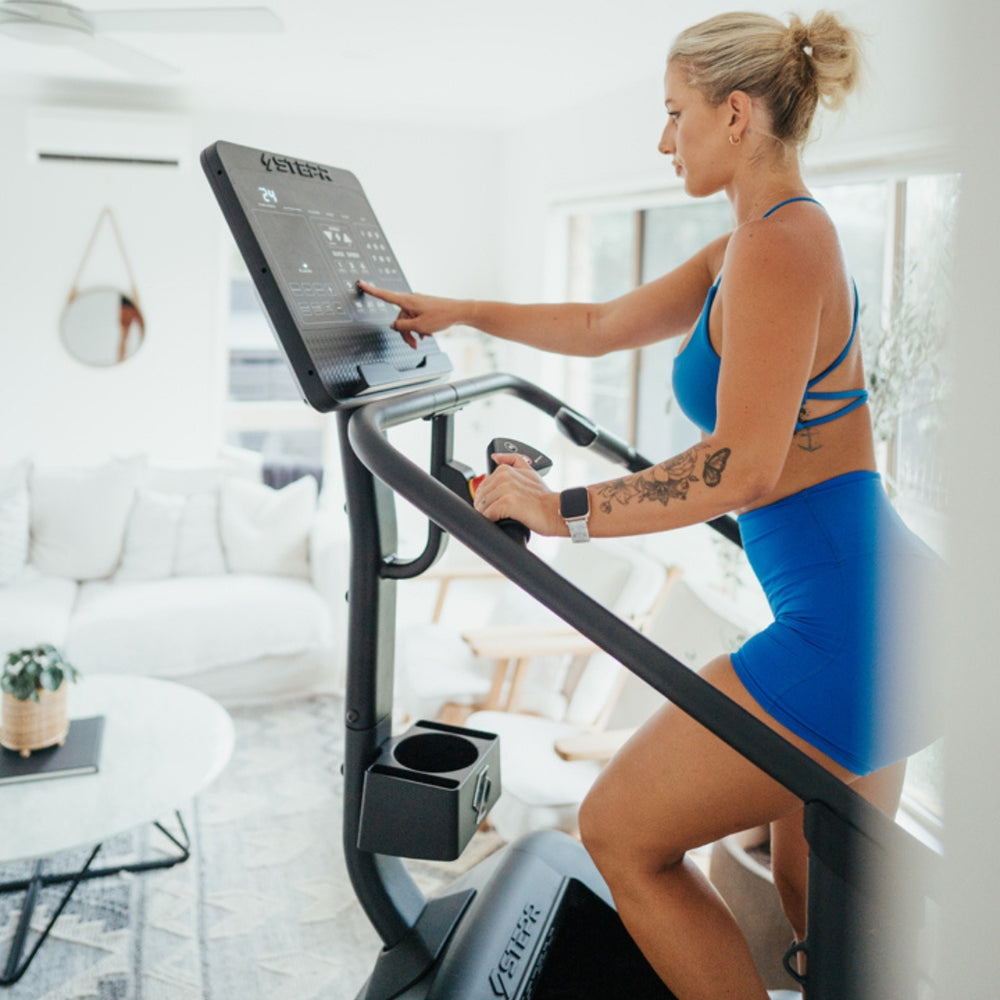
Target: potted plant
<point x="34" y="682"/>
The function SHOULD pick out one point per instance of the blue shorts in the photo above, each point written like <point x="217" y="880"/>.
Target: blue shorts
<point x="846" y="581"/>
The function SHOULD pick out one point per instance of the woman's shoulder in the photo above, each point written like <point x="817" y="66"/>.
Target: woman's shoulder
<point x="786" y="250"/>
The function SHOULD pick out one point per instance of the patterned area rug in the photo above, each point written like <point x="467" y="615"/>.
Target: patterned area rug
<point x="263" y="908"/>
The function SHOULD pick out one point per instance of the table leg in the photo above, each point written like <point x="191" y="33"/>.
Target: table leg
<point x="15" y="968"/>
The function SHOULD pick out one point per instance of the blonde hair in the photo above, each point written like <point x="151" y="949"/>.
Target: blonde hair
<point x="790" y="67"/>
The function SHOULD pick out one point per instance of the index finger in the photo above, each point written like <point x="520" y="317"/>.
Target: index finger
<point x="396" y="298"/>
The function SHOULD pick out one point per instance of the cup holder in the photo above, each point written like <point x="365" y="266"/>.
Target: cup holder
<point x="436" y="753"/>
<point x="428" y="791"/>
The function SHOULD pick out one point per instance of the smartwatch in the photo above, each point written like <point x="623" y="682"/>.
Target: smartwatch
<point x="574" y="507"/>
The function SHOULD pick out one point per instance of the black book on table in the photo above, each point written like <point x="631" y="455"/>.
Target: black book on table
<point x="80" y="754"/>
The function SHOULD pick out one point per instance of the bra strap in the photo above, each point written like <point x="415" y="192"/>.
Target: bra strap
<point x="843" y="354"/>
<point x="788" y="201"/>
<point x="860" y="398"/>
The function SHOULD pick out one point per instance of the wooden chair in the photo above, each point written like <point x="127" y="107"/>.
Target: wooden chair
<point x="520" y="656"/>
<point x="548" y="765"/>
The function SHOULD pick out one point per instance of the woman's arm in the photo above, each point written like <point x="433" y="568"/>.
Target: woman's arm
<point x="770" y="310"/>
<point x="655" y="311"/>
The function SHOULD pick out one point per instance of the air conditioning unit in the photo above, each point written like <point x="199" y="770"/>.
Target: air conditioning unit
<point x="72" y="135"/>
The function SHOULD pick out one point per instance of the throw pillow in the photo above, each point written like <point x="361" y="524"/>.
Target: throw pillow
<point x="78" y="517"/>
<point x="199" y="547"/>
<point x="266" y="530"/>
<point x="185" y="479"/>
<point x="151" y="536"/>
<point x="15" y="522"/>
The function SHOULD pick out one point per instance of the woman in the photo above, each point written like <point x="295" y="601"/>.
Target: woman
<point x="771" y="370"/>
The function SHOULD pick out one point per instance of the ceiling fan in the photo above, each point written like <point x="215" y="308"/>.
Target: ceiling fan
<point x="50" y="22"/>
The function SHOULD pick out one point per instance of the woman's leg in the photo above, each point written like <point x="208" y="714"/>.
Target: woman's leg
<point x="790" y="852"/>
<point x="673" y="787"/>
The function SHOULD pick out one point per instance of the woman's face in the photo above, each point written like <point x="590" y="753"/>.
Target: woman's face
<point x="696" y="136"/>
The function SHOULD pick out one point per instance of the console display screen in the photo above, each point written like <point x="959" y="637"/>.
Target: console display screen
<point x="307" y="234"/>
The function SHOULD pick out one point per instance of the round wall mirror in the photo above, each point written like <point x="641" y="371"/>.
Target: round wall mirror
<point x="102" y="326"/>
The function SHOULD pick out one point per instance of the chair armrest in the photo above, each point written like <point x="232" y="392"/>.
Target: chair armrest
<point x="506" y="642"/>
<point x="592" y="746"/>
<point x="515" y="645"/>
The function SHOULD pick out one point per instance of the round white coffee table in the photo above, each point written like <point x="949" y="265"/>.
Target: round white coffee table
<point x="163" y="743"/>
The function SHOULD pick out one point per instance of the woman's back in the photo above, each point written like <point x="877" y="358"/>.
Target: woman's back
<point x="833" y="427"/>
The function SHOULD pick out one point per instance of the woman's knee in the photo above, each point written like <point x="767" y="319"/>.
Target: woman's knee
<point x="596" y="824"/>
<point x="620" y="844"/>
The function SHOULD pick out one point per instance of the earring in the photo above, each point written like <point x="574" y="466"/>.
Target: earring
<point x="735" y="140"/>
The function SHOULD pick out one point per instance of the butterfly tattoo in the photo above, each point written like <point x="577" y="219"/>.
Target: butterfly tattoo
<point x="715" y="465"/>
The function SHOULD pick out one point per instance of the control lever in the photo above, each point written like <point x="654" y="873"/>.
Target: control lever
<point x="539" y="462"/>
<point x="501" y="445"/>
<point x="462" y="480"/>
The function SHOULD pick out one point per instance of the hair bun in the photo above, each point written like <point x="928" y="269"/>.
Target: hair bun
<point x="833" y="51"/>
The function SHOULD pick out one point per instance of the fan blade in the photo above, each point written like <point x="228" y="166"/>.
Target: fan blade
<point x="207" y="19"/>
<point x="124" y="57"/>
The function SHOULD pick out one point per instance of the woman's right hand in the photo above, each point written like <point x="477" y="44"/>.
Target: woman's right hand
<point x="419" y="315"/>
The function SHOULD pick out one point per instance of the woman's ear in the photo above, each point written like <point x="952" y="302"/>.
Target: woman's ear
<point x="738" y="106"/>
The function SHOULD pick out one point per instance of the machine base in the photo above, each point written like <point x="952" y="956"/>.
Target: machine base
<point x="541" y="926"/>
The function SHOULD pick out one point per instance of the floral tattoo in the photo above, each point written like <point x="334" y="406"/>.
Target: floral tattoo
<point x="667" y="481"/>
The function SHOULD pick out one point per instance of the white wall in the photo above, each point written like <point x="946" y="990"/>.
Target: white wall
<point x="427" y="188"/>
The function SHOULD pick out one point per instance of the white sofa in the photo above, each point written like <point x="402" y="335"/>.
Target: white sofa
<point x="202" y="575"/>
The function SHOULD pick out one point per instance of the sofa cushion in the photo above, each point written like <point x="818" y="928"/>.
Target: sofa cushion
<point x="15" y="521"/>
<point x="172" y="534"/>
<point x="184" y="625"/>
<point x="78" y="517"/>
<point x="35" y="609"/>
<point x="151" y="536"/>
<point x="199" y="544"/>
<point x="266" y="530"/>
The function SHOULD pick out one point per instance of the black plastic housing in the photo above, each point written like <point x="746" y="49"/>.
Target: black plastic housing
<point x="429" y="791"/>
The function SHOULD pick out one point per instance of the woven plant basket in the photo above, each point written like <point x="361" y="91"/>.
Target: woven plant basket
<point x="34" y="725"/>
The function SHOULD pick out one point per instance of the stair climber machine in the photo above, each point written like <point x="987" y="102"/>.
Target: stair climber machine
<point x="534" y="920"/>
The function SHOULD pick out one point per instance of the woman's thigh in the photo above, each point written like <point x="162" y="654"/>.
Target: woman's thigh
<point x="676" y="786"/>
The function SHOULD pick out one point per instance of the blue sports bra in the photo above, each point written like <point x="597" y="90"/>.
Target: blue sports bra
<point x="696" y="368"/>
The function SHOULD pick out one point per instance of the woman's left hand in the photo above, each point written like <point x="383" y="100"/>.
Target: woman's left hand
<point x="515" y="490"/>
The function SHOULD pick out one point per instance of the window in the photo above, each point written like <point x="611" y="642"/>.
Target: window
<point x="610" y="253"/>
<point x="671" y="234"/>
<point x="603" y="253"/>
<point x="897" y="234"/>
<point x="265" y="412"/>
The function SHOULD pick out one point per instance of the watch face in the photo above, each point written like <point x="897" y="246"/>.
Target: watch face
<point x="574" y="502"/>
